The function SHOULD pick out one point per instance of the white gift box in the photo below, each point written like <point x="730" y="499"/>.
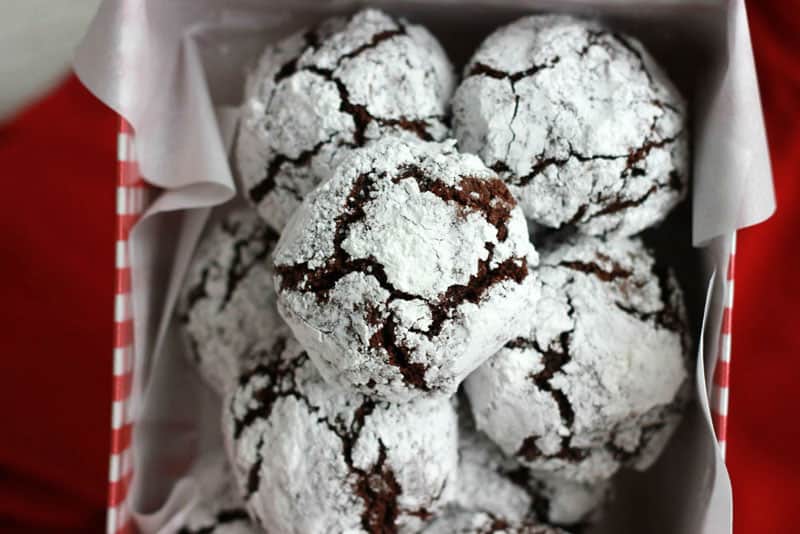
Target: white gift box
<point x="174" y="71"/>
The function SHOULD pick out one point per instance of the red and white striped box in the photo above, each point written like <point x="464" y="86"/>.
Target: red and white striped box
<point x="109" y="51"/>
<point x="131" y="200"/>
<point x="722" y="367"/>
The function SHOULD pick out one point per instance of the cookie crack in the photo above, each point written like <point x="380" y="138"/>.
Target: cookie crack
<point x="635" y="51"/>
<point x="594" y="269"/>
<point x="669" y="316"/>
<point x="486" y="277"/>
<point x="617" y="202"/>
<point x="554" y="360"/>
<point x="511" y="122"/>
<point x="239" y="268"/>
<point x="290" y="67"/>
<point x="489" y="197"/>
<point x="265" y="186"/>
<point x="278" y="370"/>
<point x="593" y="38"/>
<point x="641" y="153"/>
<point x="617" y="205"/>
<point x="196" y="293"/>
<point x="379" y="489"/>
<point x="482" y="69"/>
<point x="362" y="117"/>
<point x="359" y="112"/>
<point x="497" y="525"/>
<point x="632" y="158"/>
<point x="602" y="38"/>
<point x="399" y="354"/>
<point x="254" y="474"/>
<point x="530" y="451"/>
<point x="374" y="42"/>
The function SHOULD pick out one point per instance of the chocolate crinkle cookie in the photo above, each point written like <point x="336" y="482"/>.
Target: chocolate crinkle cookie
<point x="228" y="299"/>
<point x="406" y="270"/>
<point x="498" y="485"/>
<point x="321" y="92"/>
<point x="311" y="457"/>
<point x="457" y="521"/>
<point x="579" y="121"/>
<point x="217" y="507"/>
<point x="600" y="379"/>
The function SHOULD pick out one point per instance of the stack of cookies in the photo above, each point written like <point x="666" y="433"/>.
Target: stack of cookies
<point x="435" y="316"/>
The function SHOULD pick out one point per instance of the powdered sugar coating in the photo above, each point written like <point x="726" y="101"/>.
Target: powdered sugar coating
<point x="579" y="121"/>
<point x="218" y="508"/>
<point x="486" y="481"/>
<point x="319" y="93"/>
<point x="496" y="484"/>
<point x="458" y="521"/>
<point x="600" y="379"/>
<point x="402" y="273"/>
<point x="228" y="299"/>
<point x="314" y="458"/>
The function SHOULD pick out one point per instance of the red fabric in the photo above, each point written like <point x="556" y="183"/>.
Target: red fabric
<point x="763" y="430"/>
<point x="57" y="250"/>
<point x="58" y="158"/>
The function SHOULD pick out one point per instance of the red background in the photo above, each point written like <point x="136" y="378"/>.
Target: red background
<point x="56" y="257"/>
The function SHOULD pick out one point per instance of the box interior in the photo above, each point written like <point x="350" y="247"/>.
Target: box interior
<point x="669" y="497"/>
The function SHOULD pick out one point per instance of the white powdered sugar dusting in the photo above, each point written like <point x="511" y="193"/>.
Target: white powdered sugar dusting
<point x="319" y="93"/>
<point x="579" y="121"/>
<point x="491" y="482"/>
<point x="228" y="300"/>
<point x="406" y="270"/>
<point x="217" y="507"/>
<point x="485" y="482"/>
<point x="311" y="457"/>
<point x="600" y="379"/>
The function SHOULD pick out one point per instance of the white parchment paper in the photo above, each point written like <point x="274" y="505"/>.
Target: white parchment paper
<point x="174" y="70"/>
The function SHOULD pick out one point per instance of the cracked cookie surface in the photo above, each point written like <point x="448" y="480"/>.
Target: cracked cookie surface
<point x="311" y="457"/>
<point x="600" y="379"/>
<point x="321" y="92"/>
<point x="579" y="121"/>
<point x="496" y="484"/>
<point x="228" y="300"/>
<point x="217" y="508"/>
<point x="403" y="272"/>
